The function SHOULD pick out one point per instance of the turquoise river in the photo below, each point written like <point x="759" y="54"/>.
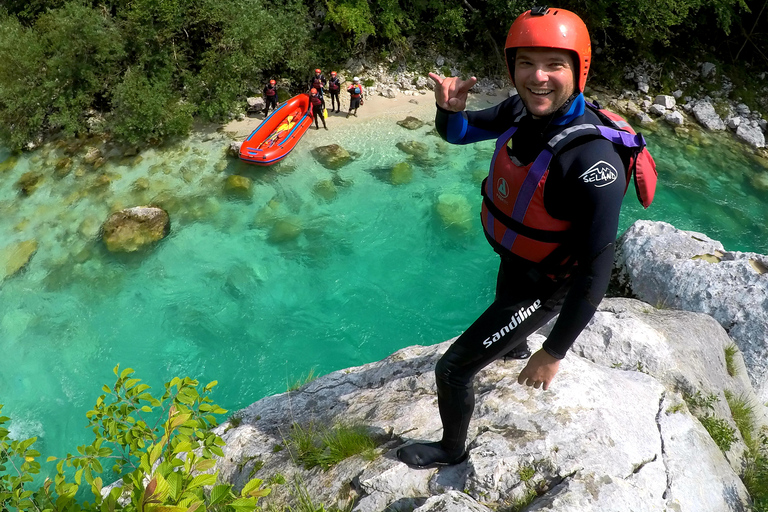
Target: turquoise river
<point x="316" y="271"/>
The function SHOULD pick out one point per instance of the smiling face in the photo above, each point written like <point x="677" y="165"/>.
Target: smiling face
<point x="544" y="79"/>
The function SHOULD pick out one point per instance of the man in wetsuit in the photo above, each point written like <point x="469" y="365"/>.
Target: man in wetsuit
<point x="334" y="88"/>
<point x="318" y="82"/>
<point x="355" y="96"/>
<point x="553" y="222"/>
<point x="318" y="106"/>
<point x="270" y="97"/>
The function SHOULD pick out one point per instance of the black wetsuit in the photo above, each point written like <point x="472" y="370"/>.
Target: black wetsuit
<point x="318" y="83"/>
<point x="593" y="210"/>
<point x="334" y="87"/>
<point x="318" y="106"/>
<point x="270" y="98"/>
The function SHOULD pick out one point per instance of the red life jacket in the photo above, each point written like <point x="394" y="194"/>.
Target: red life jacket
<point x="513" y="212"/>
<point x="355" y="91"/>
<point x="333" y="84"/>
<point x="270" y="91"/>
<point x="317" y="82"/>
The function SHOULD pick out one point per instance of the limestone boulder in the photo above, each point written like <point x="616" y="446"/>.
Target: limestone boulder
<point x="325" y="189"/>
<point x="255" y="104"/>
<point x="660" y="264"/>
<point x="607" y="436"/>
<point x="706" y="115"/>
<point x="665" y="101"/>
<point x="751" y="134"/>
<point x="285" y="229"/>
<point x="411" y="123"/>
<point x="92" y="155"/>
<point x="15" y="257"/>
<point x="133" y="229"/>
<point x="332" y="156"/>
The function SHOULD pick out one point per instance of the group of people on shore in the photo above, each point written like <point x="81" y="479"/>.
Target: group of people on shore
<point x="317" y="88"/>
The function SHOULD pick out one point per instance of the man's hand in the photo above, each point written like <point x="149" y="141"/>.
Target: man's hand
<point x="539" y="371"/>
<point x="451" y="92"/>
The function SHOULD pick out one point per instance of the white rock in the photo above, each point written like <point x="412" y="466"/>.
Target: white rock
<point x="657" y="109"/>
<point x="674" y="118"/>
<point x="656" y="263"/>
<point x="643" y="87"/>
<point x="751" y="134"/>
<point x="706" y="115"/>
<point x="708" y="69"/>
<point x="733" y="122"/>
<point x="440" y="61"/>
<point x="643" y="118"/>
<point x="677" y="94"/>
<point x="668" y="102"/>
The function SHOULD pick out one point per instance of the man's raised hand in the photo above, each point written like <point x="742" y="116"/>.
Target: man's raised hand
<point x="451" y="92"/>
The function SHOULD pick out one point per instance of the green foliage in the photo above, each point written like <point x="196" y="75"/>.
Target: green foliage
<point x="526" y="473"/>
<point x="743" y="415"/>
<point x="147" y="109"/>
<point x="703" y="407"/>
<point x="730" y="365"/>
<point x="162" y="449"/>
<point x="756" y="473"/>
<point x="315" y="445"/>
<point x="723" y="435"/>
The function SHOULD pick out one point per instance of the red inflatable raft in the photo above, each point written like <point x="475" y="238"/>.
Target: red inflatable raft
<point x="279" y="133"/>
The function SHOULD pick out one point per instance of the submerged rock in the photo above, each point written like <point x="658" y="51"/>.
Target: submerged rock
<point x="28" y="183"/>
<point x="411" y="123"/>
<point x="15" y="257"/>
<point x="455" y="211"/>
<point x="401" y="174"/>
<point x="413" y="147"/>
<point x="325" y="189"/>
<point x="332" y="156"/>
<point x="238" y="186"/>
<point x="285" y="230"/>
<point x="132" y="229"/>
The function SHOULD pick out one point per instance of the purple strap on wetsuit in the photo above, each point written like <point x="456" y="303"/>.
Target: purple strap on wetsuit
<point x="621" y="137"/>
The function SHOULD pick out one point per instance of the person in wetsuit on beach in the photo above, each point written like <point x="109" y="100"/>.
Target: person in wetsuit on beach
<point x="334" y="88"/>
<point x="318" y="106"/>
<point x="270" y="97"/>
<point x="553" y="223"/>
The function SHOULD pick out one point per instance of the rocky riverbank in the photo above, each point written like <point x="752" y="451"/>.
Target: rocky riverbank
<point x="622" y="428"/>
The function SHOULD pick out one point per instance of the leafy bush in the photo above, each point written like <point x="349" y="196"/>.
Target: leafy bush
<point x="162" y="449"/>
<point x="702" y="407"/>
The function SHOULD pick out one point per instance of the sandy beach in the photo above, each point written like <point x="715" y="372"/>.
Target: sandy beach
<point x="421" y="106"/>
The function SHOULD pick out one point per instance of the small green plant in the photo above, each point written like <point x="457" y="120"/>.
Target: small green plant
<point x="641" y="367"/>
<point x="723" y="435"/>
<point x="675" y="408"/>
<point x="303" y="381"/>
<point x="518" y="504"/>
<point x="368" y="82"/>
<point x="617" y="365"/>
<point x="756" y="472"/>
<point x="526" y="473"/>
<point x="161" y="449"/>
<point x="702" y="407"/>
<point x="730" y="364"/>
<point x="315" y="445"/>
<point x="743" y="414"/>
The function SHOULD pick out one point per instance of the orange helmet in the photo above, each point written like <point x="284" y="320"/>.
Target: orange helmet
<point x="333" y="73"/>
<point x="317" y="71"/>
<point x="550" y="28"/>
<point x="272" y="82"/>
<point x="313" y="91"/>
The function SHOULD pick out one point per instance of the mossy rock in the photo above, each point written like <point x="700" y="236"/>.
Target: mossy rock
<point x="325" y="189"/>
<point x="238" y="186"/>
<point x="415" y="148"/>
<point x="15" y="257"/>
<point x="760" y="181"/>
<point x="285" y="230"/>
<point x="9" y="163"/>
<point x="332" y="156"/>
<point x="455" y="212"/>
<point x="411" y="123"/>
<point x="28" y="183"/>
<point x="132" y="229"/>
<point x="401" y="174"/>
<point x="63" y="167"/>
